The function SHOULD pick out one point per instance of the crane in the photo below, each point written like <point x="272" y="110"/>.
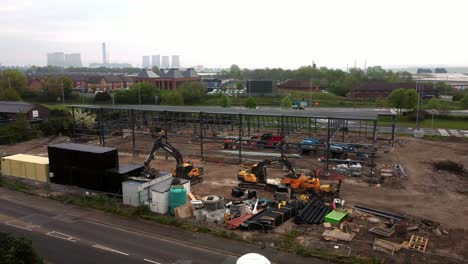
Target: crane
<point x="184" y="170"/>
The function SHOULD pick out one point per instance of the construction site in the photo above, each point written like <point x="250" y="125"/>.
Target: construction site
<point x="335" y="180"/>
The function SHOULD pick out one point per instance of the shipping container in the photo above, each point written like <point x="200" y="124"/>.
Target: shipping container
<point x="82" y="156"/>
<point x="26" y="166"/>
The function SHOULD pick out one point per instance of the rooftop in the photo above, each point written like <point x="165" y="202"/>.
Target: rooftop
<point x="15" y="107"/>
<point x="321" y="113"/>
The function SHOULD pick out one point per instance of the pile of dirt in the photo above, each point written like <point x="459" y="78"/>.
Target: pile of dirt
<point x="450" y="166"/>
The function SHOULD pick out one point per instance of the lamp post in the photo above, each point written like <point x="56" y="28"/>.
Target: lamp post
<point x="63" y="94"/>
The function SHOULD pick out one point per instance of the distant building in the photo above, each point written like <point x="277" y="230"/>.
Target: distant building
<point x="167" y="80"/>
<point x="110" y="65"/>
<point x="212" y="83"/>
<point x="34" y="83"/>
<point x="105" y="83"/>
<point x="73" y="60"/>
<point x="374" y="90"/>
<point x="156" y="61"/>
<point x="175" y="61"/>
<point x="145" y="62"/>
<point x="165" y="62"/>
<point x="261" y="87"/>
<point x="9" y="110"/>
<point x="301" y="86"/>
<point x="105" y="61"/>
<point x="56" y="59"/>
<point x="127" y="81"/>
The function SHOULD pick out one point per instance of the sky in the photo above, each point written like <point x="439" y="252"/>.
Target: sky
<point x="249" y="33"/>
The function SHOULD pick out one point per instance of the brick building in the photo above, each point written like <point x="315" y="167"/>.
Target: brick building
<point x="300" y="86"/>
<point x="167" y="80"/>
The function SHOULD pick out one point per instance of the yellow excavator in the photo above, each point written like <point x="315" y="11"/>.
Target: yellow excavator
<point x="184" y="170"/>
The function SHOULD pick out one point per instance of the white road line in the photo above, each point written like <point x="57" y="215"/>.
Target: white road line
<point x="455" y="132"/>
<point x="28" y="227"/>
<point x="443" y="132"/>
<point x="61" y="236"/>
<point x="151" y="261"/>
<point x="109" y="249"/>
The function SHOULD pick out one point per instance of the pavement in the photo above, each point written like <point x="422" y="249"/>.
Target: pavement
<point x="63" y="233"/>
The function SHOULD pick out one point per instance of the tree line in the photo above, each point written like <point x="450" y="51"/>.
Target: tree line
<point x="336" y="81"/>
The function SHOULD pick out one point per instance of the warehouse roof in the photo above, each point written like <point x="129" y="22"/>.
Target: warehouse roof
<point x="81" y="147"/>
<point x="28" y="158"/>
<point x="15" y="107"/>
<point x="334" y="113"/>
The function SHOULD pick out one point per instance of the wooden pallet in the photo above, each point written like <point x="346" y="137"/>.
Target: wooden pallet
<point x="386" y="246"/>
<point x="418" y="243"/>
<point x="386" y="232"/>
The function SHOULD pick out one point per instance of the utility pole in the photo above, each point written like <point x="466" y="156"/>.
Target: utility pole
<point x="417" y="109"/>
<point x="63" y="94"/>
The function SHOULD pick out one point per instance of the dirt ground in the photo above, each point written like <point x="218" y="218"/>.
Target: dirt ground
<point x="426" y="193"/>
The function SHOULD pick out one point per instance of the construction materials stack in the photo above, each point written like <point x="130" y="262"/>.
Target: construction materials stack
<point x="313" y="213"/>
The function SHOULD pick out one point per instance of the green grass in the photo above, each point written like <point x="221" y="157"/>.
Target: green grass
<point x="449" y="123"/>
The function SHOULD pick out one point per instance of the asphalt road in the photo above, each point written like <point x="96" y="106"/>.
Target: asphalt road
<point x="62" y="239"/>
<point x="63" y="233"/>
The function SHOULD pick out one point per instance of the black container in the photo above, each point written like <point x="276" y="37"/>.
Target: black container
<point x="82" y="156"/>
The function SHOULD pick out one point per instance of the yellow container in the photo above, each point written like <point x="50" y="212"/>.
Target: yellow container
<point x="26" y="166"/>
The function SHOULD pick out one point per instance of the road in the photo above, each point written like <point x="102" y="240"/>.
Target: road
<point x="61" y="239"/>
<point x="64" y="238"/>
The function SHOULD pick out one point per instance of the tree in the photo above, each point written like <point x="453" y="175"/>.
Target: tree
<point x="235" y="71"/>
<point x="376" y="73"/>
<point x="411" y="99"/>
<point x="53" y="87"/>
<point x="9" y="94"/>
<point x="17" y="250"/>
<point x="192" y="92"/>
<point x="286" y="102"/>
<point x="102" y="97"/>
<point x="224" y="101"/>
<point x="464" y="101"/>
<point x="140" y="92"/>
<point x="434" y="103"/>
<point x="250" y="103"/>
<point x="172" y="98"/>
<point x="84" y="119"/>
<point x="422" y="70"/>
<point x="397" y="99"/>
<point x="15" y="80"/>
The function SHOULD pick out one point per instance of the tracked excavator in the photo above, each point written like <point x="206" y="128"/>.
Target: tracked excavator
<point x="257" y="174"/>
<point x="184" y="170"/>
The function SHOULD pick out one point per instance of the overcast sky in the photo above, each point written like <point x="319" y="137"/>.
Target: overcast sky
<point x="250" y="33"/>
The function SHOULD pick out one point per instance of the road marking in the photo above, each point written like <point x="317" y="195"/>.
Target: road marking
<point x="61" y="236"/>
<point x="151" y="261"/>
<point x="26" y="227"/>
<point x="455" y="133"/>
<point x="443" y="132"/>
<point x="109" y="249"/>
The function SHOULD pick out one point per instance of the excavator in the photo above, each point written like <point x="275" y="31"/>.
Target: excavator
<point x="256" y="174"/>
<point x="184" y="170"/>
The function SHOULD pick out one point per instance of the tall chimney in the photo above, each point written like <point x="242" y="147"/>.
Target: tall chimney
<point x="104" y="55"/>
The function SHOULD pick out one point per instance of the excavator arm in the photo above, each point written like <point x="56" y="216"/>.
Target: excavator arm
<point x="161" y="142"/>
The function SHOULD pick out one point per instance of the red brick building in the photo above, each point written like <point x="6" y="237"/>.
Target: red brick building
<point x="301" y="86"/>
<point x="34" y="83"/>
<point x="169" y="80"/>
